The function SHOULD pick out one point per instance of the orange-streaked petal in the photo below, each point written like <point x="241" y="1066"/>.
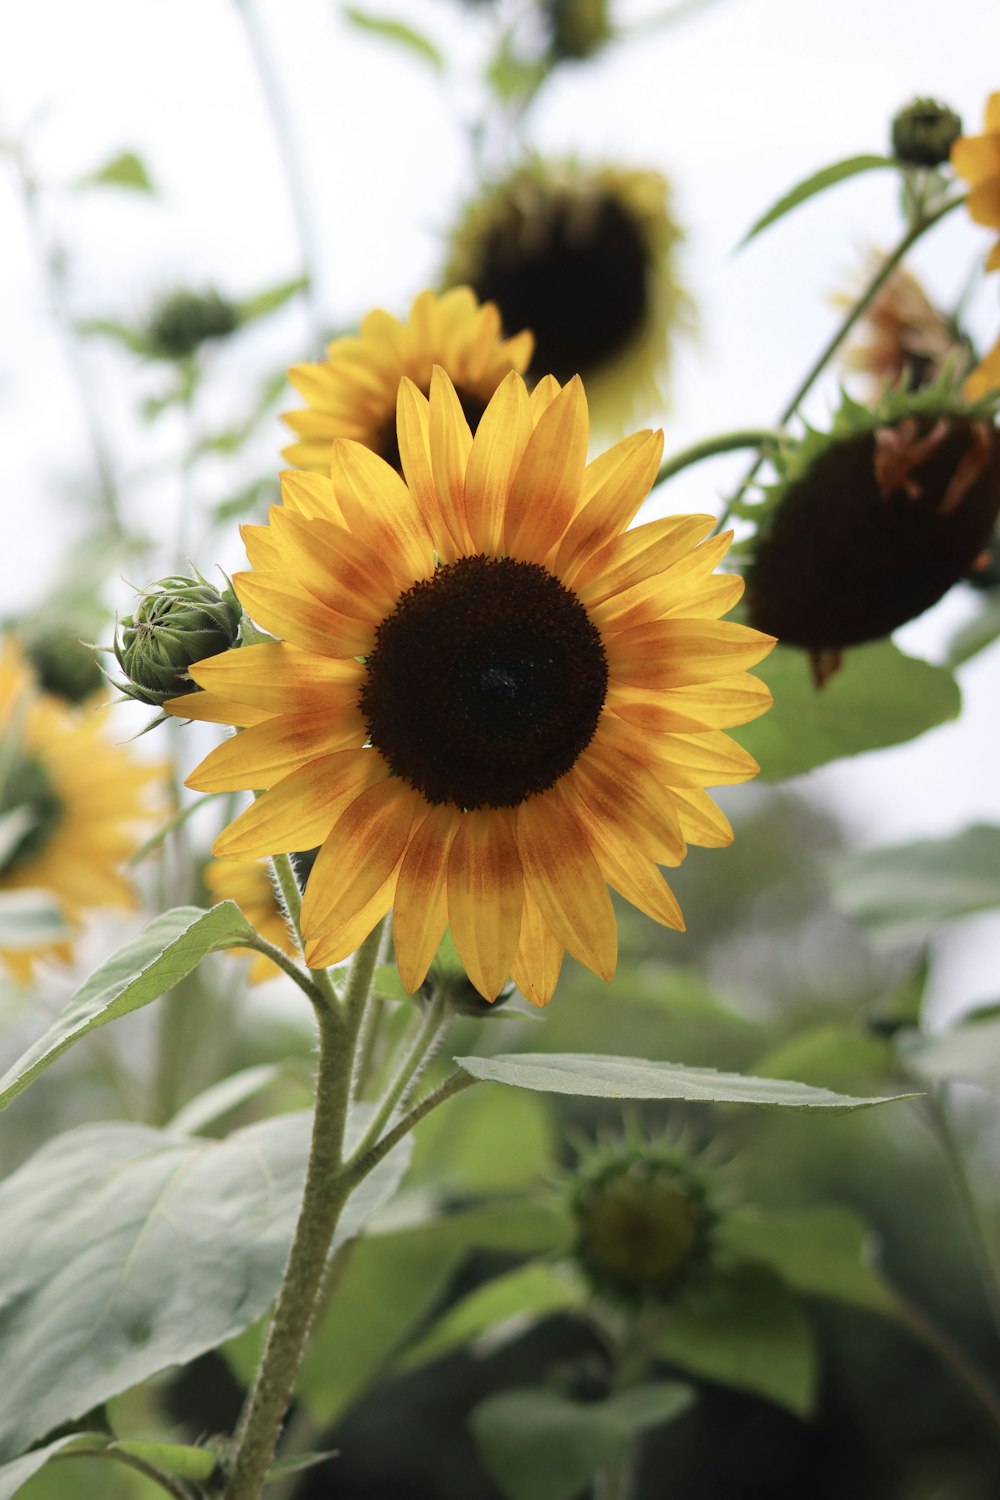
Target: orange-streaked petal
<point x="485" y="896"/>
<point x="675" y="652"/>
<point x="564" y="880"/>
<point x="330" y="948"/>
<point x="497" y="450"/>
<point x="539" y="956"/>
<point x="420" y="910"/>
<point x="624" y="485"/>
<point x="622" y="791"/>
<point x="337" y="568"/>
<point x="703" y="823"/>
<point x="632" y="874"/>
<point x="310" y="495"/>
<point x="542" y="397"/>
<point x="262" y="755"/>
<point x="707" y="759"/>
<point x="413" y="428"/>
<point x="279" y="678"/>
<point x="547" y="485"/>
<point x="636" y="555"/>
<point x="380" y="509"/>
<point x="702" y="705"/>
<point x="299" y="811"/>
<point x="280" y="606"/>
<point x="673" y="591"/>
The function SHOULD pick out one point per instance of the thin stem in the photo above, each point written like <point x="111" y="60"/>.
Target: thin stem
<point x="727" y="442"/>
<point x="288" y="885"/>
<point x="327" y="1189"/>
<point x="423" y="1043"/>
<point x="361" y="1164"/>
<point x="298" y="191"/>
<point x="936" y="1106"/>
<point x="371" y="1024"/>
<point x="872" y="290"/>
<point x="168" y="1482"/>
<point x="261" y="945"/>
<point x="954" y="1358"/>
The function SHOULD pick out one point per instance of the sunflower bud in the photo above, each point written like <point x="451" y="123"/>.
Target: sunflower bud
<point x="873" y="522"/>
<point x="923" y="132"/>
<point x="64" y="666"/>
<point x="447" y="981"/>
<point x="177" y="621"/>
<point x="643" y="1220"/>
<point x="185" y="320"/>
<point x="577" y="28"/>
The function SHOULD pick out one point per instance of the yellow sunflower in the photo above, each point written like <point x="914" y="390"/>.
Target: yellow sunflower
<point x="977" y="159"/>
<point x="80" y="798"/>
<point x="352" y="393"/>
<point x="985" y="378"/>
<point x="489" y="700"/>
<point x="251" y="887"/>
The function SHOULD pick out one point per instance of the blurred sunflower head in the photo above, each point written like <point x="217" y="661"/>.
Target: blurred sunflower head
<point x="583" y="257"/>
<point x="873" y="521"/>
<point x="251" y="887"/>
<point x="977" y="159"/>
<point x="902" y="339"/>
<point x="70" y="804"/>
<point x="488" y="701"/>
<point x="352" y="393"/>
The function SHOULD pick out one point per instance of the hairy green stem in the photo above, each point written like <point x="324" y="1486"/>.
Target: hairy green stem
<point x="423" y="1044"/>
<point x="727" y="442"/>
<point x="327" y="1189"/>
<point x="875" y="285"/>
<point x="173" y="1486"/>
<point x="366" y="1160"/>
<point x="288" y="885"/>
<point x="371" y="1024"/>
<point x="261" y="945"/>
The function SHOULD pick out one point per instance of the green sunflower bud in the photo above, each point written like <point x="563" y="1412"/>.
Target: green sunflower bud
<point x="64" y="666"/>
<point x="176" y="622"/>
<point x="923" y="132"/>
<point x="643" y="1220"/>
<point x="577" y="28"/>
<point x="185" y="320"/>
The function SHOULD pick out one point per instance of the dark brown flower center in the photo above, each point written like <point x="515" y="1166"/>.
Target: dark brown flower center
<point x="386" y="442"/>
<point x="486" y="683"/>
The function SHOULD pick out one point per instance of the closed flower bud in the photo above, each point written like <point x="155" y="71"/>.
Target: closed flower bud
<point x="185" y="320"/>
<point x="177" y="622"/>
<point x="923" y="132"/>
<point x="577" y="28"/>
<point x="64" y="666"/>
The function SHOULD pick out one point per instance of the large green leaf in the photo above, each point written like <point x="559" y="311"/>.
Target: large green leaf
<point x="878" y="697"/>
<point x="540" y="1445"/>
<point x="825" y="1251"/>
<point x="969" y="1051"/>
<point x="128" y="1250"/>
<point x="600" y="1077"/>
<point x="746" y="1330"/>
<point x="30" y="919"/>
<point x="898" y="895"/>
<point x="816" y="183"/>
<point x="145" y="968"/>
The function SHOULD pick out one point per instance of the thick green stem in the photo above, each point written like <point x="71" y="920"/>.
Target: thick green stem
<point x="327" y="1189"/>
<point x="288" y="885"/>
<point x="726" y="442"/>
<point x="872" y="290"/>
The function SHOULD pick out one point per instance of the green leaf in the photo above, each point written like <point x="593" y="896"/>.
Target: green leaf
<point x="128" y="1250"/>
<point x="745" y="1330"/>
<point x="598" y="1077"/>
<point x="164" y="952"/>
<point x="834" y="1055"/>
<point x="879" y="697"/>
<point x="540" y="1445"/>
<point x="520" y="1297"/>
<point x="969" y="1052"/>
<point x="30" y="919"/>
<point x="130" y="338"/>
<point x="182" y="1459"/>
<point x="298" y="1463"/>
<point x="271" y="299"/>
<point x="456" y="1147"/>
<point x="899" y="894"/>
<point x="387" y="1285"/>
<point x="124" y="171"/>
<point x="824" y="1251"/>
<point x="218" y="1100"/>
<point x="14" y="1476"/>
<point x="816" y="183"/>
<point x="399" y="33"/>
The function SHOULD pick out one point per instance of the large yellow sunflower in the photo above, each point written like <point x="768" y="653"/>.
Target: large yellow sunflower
<point x="352" y="393"/>
<point x="80" y="798"/>
<point x="977" y="159"/>
<point x="489" y="701"/>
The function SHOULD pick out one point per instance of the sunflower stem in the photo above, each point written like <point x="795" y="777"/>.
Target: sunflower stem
<point x="261" y="945"/>
<point x="727" y="442"/>
<point x="326" y="1191"/>
<point x="424" y="1044"/>
<point x="456" y="1083"/>
<point x="371" y="1023"/>
<point x="288" y="886"/>
<point x="875" y="285"/>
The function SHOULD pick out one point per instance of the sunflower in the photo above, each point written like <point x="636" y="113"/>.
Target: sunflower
<point x="985" y="378"/>
<point x="902" y="338"/>
<point x="977" y="159"/>
<point x="352" y="393"/>
<point x="251" y="887"/>
<point x="584" y="257"/>
<point x="78" y="797"/>
<point x="489" y="701"/>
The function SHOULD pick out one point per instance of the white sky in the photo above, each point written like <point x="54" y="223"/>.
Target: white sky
<point x="735" y="106"/>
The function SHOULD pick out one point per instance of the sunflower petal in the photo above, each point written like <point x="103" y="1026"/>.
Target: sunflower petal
<point x="485" y="896"/>
<point x="420" y="910"/>
<point x="612" y="506"/>
<point x="497" y="450"/>
<point x="278" y="604"/>
<point x="380" y="510"/>
<point x="635" y="555"/>
<point x="299" y="811"/>
<point x="451" y="444"/>
<point x="547" y="485"/>
<point x="703" y="823"/>
<point x="539" y="956"/>
<point x="413" y="426"/>
<point x="675" y="652"/>
<point x="565" y="882"/>
<point x="310" y="495"/>
<point x="262" y="755"/>
<point x="278" y="678"/>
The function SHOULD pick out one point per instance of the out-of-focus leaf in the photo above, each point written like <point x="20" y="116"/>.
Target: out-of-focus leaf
<point x="146" y="967"/>
<point x="125" y="171"/>
<point x="816" y="183"/>
<point x="128" y="1250"/>
<point x="636" y="1078"/>
<point x="181" y="1459"/>
<point x="208" y="1107"/>
<point x="397" y="32"/>
<point x="879" y="697"/>
<point x="968" y="1051"/>
<point x="14" y="1476"/>
<point x="831" y="1056"/>
<point x="746" y="1330"/>
<point x="457" y="1147"/>
<point x="297" y="1463"/>
<point x="824" y="1251"/>
<point x="130" y="338"/>
<point x="30" y="919"/>
<point x="511" y="78"/>
<point x="270" y="299"/>
<point x="540" y="1445"/>
<point x="899" y="895"/>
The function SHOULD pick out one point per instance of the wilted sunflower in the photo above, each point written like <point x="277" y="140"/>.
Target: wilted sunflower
<point x="583" y="257"/>
<point x="902" y="338"/>
<point x="352" y="393"/>
<point x="977" y="159"/>
<point x="489" y="701"/>
<point x="79" y="799"/>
